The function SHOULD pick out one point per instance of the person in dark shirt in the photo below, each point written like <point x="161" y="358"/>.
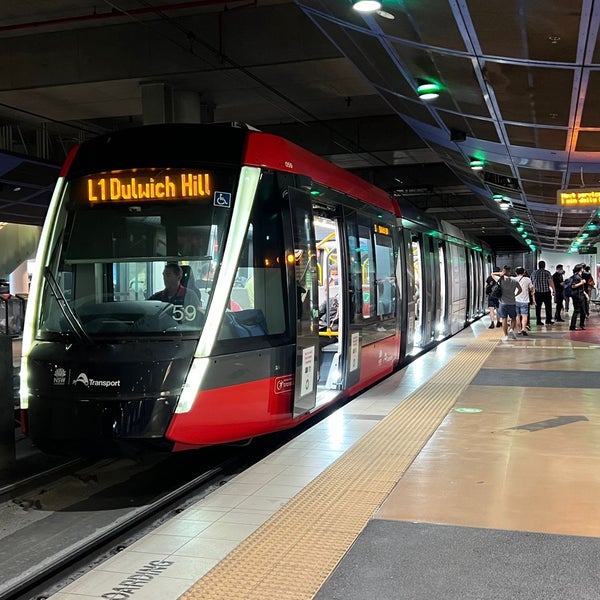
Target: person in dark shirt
<point x="589" y="286"/>
<point x="544" y="286"/>
<point x="578" y="295"/>
<point x="558" y="278"/>
<point x="173" y="291"/>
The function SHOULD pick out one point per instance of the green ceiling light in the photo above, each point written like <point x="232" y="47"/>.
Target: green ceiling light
<point x="524" y="234"/>
<point x="366" y="5"/>
<point x="533" y="248"/>
<point x="520" y="229"/>
<point x="527" y="241"/>
<point x="514" y="220"/>
<point x="593" y="226"/>
<point x="585" y="235"/>
<point x="476" y="164"/>
<point x="428" y="90"/>
<point x="498" y="198"/>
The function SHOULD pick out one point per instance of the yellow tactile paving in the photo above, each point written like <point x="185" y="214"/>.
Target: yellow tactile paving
<point x="294" y="552"/>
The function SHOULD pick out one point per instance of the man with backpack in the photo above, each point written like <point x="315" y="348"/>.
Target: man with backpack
<point x="575" y="286"/>
<point x="490" y="284"/>
<point x="509" y="288"/>
<point x="590" y="284"/>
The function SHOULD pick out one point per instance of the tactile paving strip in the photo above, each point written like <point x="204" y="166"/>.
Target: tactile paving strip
<point x="293" y="553"/>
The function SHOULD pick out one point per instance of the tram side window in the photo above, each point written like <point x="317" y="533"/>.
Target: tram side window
<point x="385" y="278"/>
<point x="367" y="272"/>
<point x="257" y="301"/>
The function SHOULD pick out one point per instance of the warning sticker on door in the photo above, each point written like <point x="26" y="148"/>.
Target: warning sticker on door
<point x="308" y="370"/>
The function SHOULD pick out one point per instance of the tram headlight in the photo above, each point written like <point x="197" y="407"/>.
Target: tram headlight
<point x="192" y="385"/>
<point x="23" y="388"/>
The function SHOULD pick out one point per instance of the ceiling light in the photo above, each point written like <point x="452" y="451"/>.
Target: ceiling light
<point x="514" y="220"/>
<point x="498" y="198"/>
<point x="504" y="205"/>
<point x="428" y="90"/>
<point x="385" y="14"/>
<point x="366" y="5"/>
<point x="476" y="164"/>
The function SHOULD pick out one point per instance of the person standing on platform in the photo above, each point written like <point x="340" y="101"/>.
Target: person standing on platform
<point x="578" y="294"/>
<point x="544" y="286"/>
<point x="508" y="304"/>
<point x="589" y="286"/>
<point x="492" y="302"/>
<point x="522" y="300"/>
<point x="558" y="279"/>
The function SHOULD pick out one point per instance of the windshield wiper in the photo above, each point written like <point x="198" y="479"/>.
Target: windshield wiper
<point x="72" y="320"/>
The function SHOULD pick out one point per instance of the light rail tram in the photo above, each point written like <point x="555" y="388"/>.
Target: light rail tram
<point x="308" y="285"/>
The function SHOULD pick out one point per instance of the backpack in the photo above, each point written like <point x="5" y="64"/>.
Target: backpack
<point x="490" y="285"/>
<point x="568" y="290"/>
<point x="497" y="289"/>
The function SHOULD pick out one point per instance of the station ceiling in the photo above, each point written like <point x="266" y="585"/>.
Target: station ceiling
<point x="518" y="88"/>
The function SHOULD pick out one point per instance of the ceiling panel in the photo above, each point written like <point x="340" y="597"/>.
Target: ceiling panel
<point x="520" y="81"/>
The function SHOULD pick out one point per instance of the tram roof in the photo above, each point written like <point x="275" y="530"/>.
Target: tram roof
<point x="275" y="152"/>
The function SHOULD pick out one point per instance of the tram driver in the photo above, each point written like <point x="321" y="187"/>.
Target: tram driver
<point x="178" y="295"/>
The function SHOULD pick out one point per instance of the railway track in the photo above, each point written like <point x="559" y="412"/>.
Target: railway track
<point x="48" y="532"/>
<point x="61" y="522"/>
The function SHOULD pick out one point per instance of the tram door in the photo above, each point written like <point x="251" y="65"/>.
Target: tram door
<point x="417" y="290"/>
<point x="306" y="292"/>
<point x="332" y="299"/>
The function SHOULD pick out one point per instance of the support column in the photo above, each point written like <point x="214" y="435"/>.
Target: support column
<point x="190" y="108"/>
<point x="7" y="412"/>
<point x="157" y="103"/>
<point x="19" y="280"/>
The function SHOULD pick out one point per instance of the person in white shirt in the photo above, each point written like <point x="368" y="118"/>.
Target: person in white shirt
<point x="522" y="300"/>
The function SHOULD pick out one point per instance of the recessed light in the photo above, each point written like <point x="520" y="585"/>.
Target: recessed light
<point x="366" y="5"/>
<point x="428" y="90"/>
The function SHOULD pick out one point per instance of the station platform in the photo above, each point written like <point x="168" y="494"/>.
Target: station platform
<point x="472" y="473"/>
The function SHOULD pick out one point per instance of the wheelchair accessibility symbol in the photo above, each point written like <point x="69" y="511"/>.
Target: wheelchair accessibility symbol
<point x="222" y="199"/>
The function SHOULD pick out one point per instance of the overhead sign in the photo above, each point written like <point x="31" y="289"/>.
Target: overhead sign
<point x="587" y="250"/>
<point x="578" y="197"/>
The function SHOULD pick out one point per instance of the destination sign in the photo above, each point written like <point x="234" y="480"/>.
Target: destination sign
<point x="382" y="229"/>
<point x="578" y="198"/>
<point x="141" y="185"/>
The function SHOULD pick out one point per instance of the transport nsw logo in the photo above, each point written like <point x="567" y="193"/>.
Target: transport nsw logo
<point x="283" y="384"/>
<point x="88" y="382"/>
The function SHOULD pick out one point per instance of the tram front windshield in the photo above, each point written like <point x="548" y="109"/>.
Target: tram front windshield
<point x="108" y="259"/>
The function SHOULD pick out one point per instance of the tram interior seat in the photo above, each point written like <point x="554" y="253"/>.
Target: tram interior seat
<point x="385" y="298"/>
<point x="240" y="295"/>
<point x="243" y="323"/>
<point x="188" y="281"/>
